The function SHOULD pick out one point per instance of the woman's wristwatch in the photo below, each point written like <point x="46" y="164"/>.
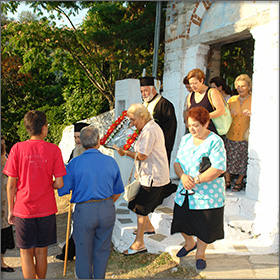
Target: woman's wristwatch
<point x="196" y="180"/>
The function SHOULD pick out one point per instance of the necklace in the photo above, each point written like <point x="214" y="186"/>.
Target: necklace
<point x="242" y="98"/>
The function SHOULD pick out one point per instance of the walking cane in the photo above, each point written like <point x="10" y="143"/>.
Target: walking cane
<point x="67" y="235"/>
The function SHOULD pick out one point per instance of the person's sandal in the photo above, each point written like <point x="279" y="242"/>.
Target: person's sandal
<point x="228" y="185"/>
<point x="237" y="188"/>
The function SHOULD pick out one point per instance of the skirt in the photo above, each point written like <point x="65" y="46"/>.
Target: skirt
<point x="147" y="200"/>
<point x="237" y="156"/>
<point x="7" y="239"/>
<point x="207" y="225"/>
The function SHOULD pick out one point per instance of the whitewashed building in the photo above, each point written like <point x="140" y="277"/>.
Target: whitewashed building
<point x="192" y="29"/>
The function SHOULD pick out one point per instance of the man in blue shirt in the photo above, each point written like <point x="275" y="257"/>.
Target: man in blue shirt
<point x="96" y="183"/>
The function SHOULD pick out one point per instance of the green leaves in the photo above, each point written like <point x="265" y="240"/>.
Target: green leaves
<point x="74" y="69"/>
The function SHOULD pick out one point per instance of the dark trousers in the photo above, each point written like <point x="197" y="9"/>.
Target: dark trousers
<point x="71" y="248"/>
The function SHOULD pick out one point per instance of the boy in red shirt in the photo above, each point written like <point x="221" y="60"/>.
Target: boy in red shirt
<point x="35" y="168"/>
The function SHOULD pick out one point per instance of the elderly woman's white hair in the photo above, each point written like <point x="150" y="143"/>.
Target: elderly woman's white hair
<point x="140" y="111"/>
<point x="245" y="78"/>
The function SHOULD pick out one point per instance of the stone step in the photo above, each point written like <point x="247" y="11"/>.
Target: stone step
<point x="241" y="223"/>
<point x="238" y="239"/>
<point x="237" y="203"/>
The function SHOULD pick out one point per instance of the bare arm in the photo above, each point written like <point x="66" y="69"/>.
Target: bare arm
<point x="210" y="174"/>
<point x="131" y="154"/>
<point x="115" y="197"/>
<point x="187" y="181"/>
<point x="11" y="188"/>
<point x="58" y="183"/>
<point x="189" y="100"/>
<point x="218" y="103"/>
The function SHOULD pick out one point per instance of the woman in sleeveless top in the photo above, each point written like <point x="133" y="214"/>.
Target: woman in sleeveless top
<point x="199" y="96"/>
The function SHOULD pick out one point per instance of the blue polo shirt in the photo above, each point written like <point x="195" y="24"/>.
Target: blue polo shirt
<point x="92" y="175"/>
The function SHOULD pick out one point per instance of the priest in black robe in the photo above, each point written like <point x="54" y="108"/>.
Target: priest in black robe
<point x="161" y="110"/>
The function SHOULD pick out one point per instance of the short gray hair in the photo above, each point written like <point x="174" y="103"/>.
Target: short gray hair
<point x="140" y="111"/>
<point x="89" y="136"/>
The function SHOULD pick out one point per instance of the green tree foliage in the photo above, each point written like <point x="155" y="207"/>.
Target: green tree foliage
<point x="25" y="86"/>
<point x="115" y="41"/>
<point x="75" y="69"/>
<point x="236" y="59"/>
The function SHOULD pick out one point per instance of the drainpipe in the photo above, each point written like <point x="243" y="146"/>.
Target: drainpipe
<point x="156" y="38"/>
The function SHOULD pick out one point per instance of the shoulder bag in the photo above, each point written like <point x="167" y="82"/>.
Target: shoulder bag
<point x="131" y="189"/>
<point x="223" y="122"/>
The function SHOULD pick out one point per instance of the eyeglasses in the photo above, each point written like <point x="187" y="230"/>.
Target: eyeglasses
<point x="190" y="192"/>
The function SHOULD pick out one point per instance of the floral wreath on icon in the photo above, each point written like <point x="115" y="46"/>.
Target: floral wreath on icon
<point x="115" y="128"/>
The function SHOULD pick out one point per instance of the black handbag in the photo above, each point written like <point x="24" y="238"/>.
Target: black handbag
<point x="205" y="164"/>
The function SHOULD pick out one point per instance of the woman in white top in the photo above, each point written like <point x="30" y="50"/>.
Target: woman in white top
<point x="152" y="169"/>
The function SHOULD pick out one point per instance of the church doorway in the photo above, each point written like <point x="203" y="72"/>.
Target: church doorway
<point x="237" y="58"/>
<point x="230" y="59"/>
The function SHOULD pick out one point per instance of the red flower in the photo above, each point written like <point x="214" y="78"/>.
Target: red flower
<point x="134" y="135"/>
<point x="130" y="141"/>
<point x="126" y="146"/>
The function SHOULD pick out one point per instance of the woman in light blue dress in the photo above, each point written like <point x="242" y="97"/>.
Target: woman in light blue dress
<point x="200" y="197"/>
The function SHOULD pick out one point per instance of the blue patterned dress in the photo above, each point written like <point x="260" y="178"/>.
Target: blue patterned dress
<point x="201" y="214"/>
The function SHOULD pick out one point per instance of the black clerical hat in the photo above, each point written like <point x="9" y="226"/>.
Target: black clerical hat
<point x="78" y="126"/>
<point x="147" y="81"/>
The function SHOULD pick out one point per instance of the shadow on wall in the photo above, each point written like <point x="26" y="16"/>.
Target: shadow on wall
<point x="263" y="192"/>
<point x="253" y="175"/>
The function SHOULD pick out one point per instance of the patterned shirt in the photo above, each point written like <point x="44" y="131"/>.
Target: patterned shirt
<point x="209" y="194"/>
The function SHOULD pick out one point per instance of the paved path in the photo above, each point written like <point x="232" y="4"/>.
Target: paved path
<point x="219" y="266"/>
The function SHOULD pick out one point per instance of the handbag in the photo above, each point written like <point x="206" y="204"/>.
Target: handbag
<point x="223" y="122"/>
<point x="205" y="164"/>
<point x="131" y="189"/>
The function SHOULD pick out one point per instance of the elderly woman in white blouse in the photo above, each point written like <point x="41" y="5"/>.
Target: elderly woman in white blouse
<point x="152" y="168"/>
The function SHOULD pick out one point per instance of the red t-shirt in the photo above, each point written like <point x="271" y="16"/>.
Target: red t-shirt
<point x="34" y="163"/>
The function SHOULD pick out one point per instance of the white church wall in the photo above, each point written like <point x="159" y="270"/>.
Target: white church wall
<point x="206" y="23"/>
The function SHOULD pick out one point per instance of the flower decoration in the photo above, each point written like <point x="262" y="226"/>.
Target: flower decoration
<point x="114" y="128"/>
<point x="131" y="139"/>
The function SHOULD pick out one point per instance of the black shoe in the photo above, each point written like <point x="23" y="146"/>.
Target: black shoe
<point x="7" y="269"/>
<point x="62" y="256"/>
